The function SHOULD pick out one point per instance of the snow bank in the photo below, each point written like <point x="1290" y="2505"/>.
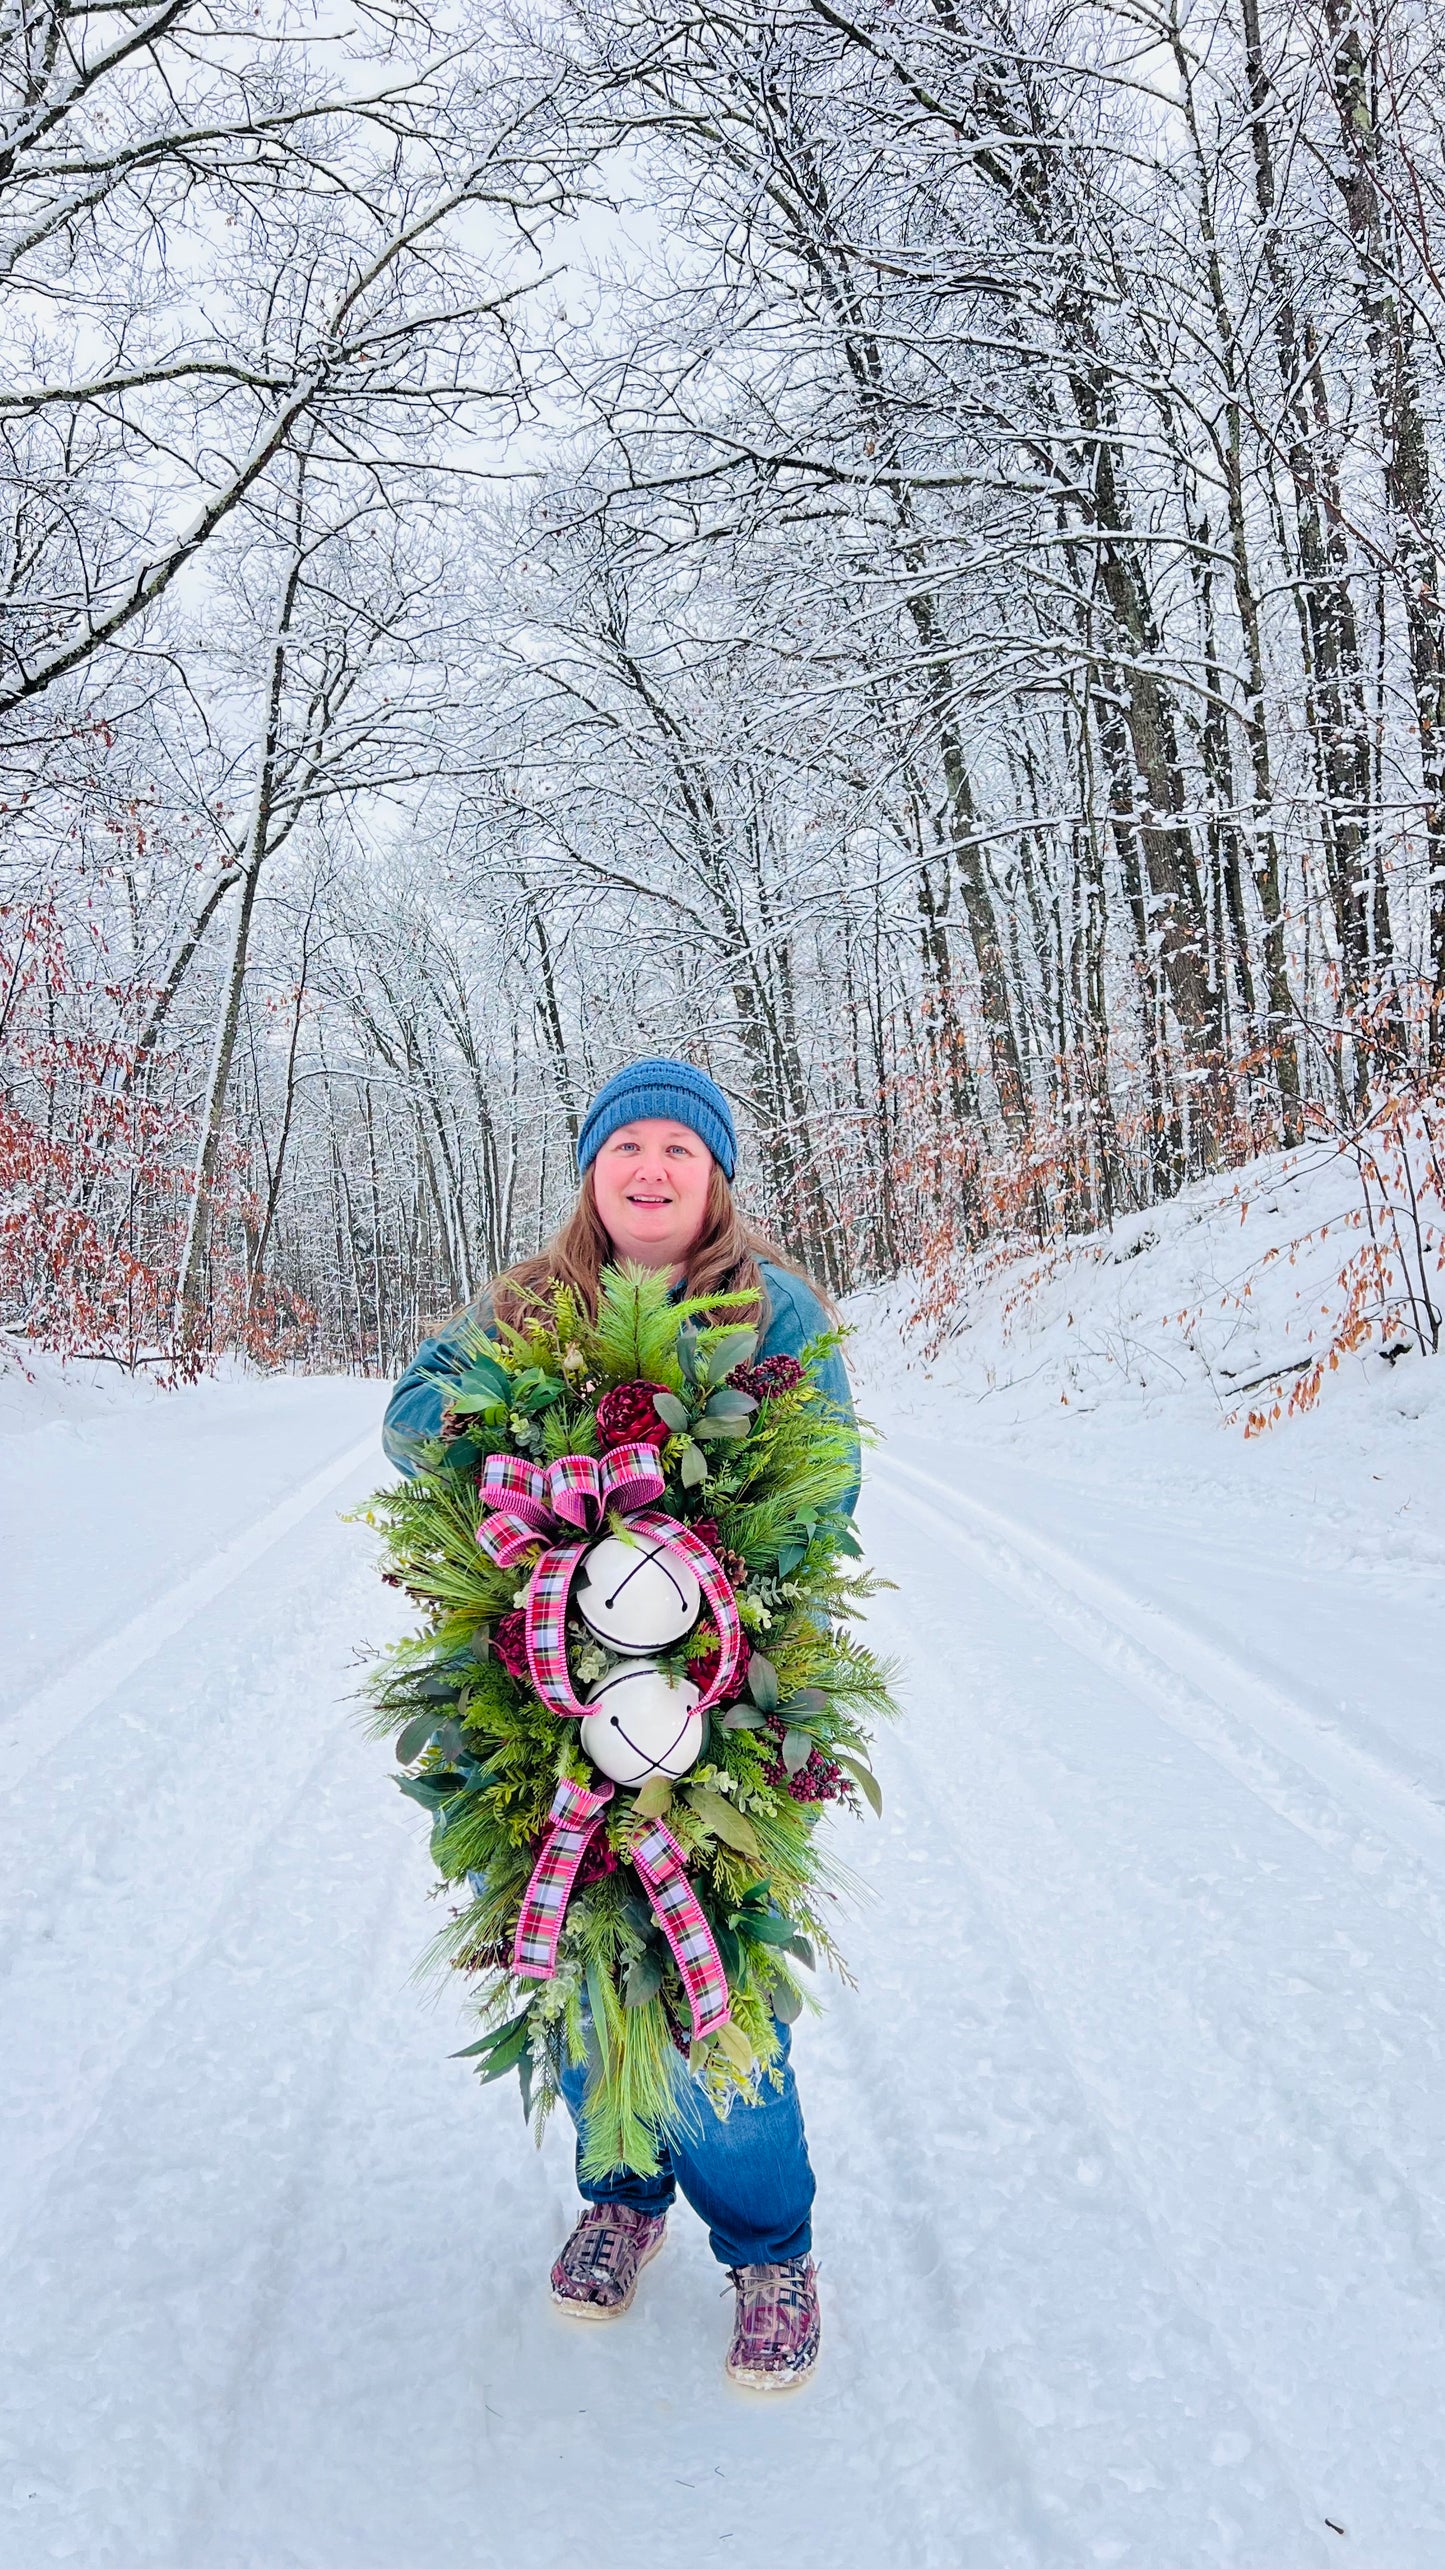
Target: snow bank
<point x="1133" y="1360"/>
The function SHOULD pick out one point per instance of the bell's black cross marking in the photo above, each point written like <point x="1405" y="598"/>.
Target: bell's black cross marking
<point x="615" y="1722"/>
<point x="654" y="1555"/>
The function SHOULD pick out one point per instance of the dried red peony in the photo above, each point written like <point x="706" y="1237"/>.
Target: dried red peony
<point x="625" y="1416"/>
<point x="509" y="1644"/>
<point x="703" y="1668"/>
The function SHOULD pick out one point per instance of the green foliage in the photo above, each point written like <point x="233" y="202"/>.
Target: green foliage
<point x="634" y="1338"/>
<point x="483" y="1755"/>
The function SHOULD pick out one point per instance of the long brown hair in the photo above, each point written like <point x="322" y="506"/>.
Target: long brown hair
<point x="724" y="1258"/>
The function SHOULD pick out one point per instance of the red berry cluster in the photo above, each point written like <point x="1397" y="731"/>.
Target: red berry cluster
<point x="769" y="1379"/>
<point x="821" y="1780"/>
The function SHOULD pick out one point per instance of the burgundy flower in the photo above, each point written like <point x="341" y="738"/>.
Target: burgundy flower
<point x="598" y="1860"/>
<point x="509" y="1644"/>
<point x="768" y="1380"/>
<point x="708" y="1531"/>
<point x="625" y="1416"/>
<point x="703" y="1667"/>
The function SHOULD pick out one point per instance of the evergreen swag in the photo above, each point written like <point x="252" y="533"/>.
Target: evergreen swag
<point x="756" y="1460"/>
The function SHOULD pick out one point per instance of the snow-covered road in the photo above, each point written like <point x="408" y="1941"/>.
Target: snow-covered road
<point x="1129" y="2143"/>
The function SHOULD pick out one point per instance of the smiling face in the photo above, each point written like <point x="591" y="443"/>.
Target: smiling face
<point x="650" y="1183"/>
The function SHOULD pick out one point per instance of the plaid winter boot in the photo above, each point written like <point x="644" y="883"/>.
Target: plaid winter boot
<point x="596" y="2275"/>
<point x="776" y="2325"/>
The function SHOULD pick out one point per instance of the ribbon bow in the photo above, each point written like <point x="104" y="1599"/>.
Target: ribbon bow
<point x="575" y="1814"/>
<point x="526" y="1501"/>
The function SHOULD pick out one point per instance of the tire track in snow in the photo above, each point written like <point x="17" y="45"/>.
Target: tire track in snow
<point x="47" y="1718"/>
<point x="108" y="1909"/>
<point x="1345" y="1798"/>
<point x="1289" y="2159"/>
<point x="1013" y="2325"/>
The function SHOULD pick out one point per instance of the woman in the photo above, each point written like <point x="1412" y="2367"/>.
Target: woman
<point x="656" y="1155"/>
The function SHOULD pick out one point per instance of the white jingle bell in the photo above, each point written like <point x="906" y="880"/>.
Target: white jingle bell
<point x="642" y="1722"/>
<point x="636" y="1595"/>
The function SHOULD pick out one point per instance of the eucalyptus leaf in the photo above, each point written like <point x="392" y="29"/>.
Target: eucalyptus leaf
<point x="797" y="1749"/>
<point x="687" y="1351"/>
<point x="791" y="1558"/>
<point x="729" y="1404"/>
<point x="801" y="1948"/>
<point x="414" y="1737"/>
<point x="432" y="1791"/>
<point x="733" y="2041"/>
<point x="863" y="1776"/>
<point x="808" y="1699"/>
<point x="719" y="1350"/>
<point x="717" y="1813"/>
<point x="692" y="1470"/>
<point x="731" y="1428"/>
<point x="654" y="1800"/>
<point x="743" y="1717"/>
<point x="671" y="1411"/>
<point x="461" y="1456"/>
<point x="763" y="1685"/>
<point x="786" y="2002"/>
<point x="643" y="1979"/>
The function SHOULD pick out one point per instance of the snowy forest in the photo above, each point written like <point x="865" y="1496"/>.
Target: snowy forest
<point x="893" y="551"/>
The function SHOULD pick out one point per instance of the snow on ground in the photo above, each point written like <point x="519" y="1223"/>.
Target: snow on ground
<point x="1129" y="2141"/>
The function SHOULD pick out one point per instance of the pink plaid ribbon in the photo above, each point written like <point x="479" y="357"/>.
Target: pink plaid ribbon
<point x="527" y="1499"/>
<point x="573" y="1817"/>
<point x="527" y="1502"/>
<point x="658" y="1859"/>
<point x="576" y="1811"/>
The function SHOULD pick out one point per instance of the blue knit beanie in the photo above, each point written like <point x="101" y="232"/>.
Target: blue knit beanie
<point x="661" y="1087"/>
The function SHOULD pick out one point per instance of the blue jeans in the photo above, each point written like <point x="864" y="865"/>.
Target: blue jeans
<point x="745" y="2173"/>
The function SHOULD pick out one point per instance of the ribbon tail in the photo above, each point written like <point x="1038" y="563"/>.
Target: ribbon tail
<point x="547" y="1630"/>
<point x="716" y="1587"/>
<point x="573" y="1819"/>
<point x="658" y="1859"/>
